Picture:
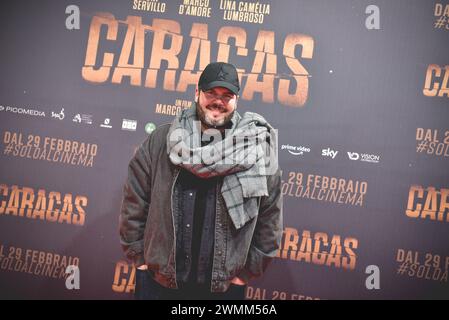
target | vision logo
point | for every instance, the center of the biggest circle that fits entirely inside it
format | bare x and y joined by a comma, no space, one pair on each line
373,158
353,155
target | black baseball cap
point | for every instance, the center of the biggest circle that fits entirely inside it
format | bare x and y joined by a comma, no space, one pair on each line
219,74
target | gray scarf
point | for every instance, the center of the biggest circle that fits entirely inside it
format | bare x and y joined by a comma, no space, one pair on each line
241,157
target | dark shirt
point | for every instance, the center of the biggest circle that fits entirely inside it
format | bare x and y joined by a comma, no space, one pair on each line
196,227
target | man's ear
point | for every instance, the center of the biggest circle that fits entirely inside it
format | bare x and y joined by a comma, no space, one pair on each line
197,94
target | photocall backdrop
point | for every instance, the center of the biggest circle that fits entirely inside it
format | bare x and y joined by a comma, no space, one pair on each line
357,89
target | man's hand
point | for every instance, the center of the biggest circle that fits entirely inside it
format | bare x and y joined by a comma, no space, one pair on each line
238,281
143,267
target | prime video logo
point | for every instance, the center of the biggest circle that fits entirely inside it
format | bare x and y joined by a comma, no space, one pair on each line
295,150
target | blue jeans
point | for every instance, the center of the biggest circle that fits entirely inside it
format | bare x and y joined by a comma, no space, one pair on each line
148,289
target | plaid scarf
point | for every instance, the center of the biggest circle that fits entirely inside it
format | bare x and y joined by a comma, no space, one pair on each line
237,157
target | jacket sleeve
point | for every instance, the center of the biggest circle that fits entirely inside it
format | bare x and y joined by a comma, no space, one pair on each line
135,204
268,231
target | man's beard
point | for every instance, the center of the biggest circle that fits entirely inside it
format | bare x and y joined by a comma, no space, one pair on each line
210,122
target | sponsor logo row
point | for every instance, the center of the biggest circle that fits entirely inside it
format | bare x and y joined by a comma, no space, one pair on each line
78,118
330,153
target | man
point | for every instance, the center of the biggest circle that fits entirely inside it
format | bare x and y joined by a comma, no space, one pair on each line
202,207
